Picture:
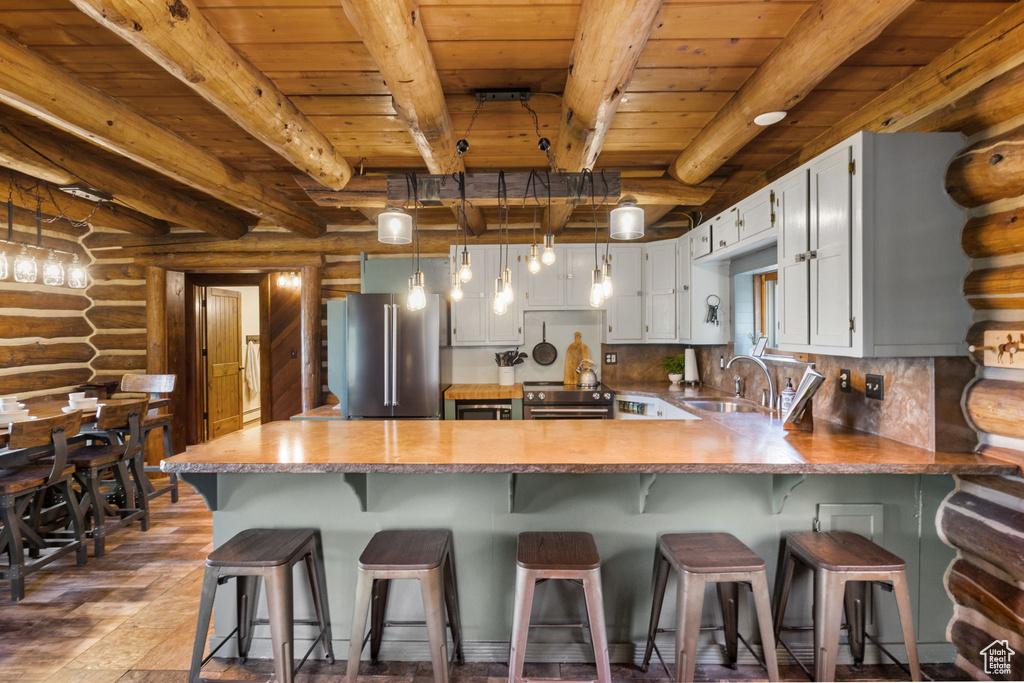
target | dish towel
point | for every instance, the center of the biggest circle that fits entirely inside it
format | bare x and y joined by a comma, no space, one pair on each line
252,365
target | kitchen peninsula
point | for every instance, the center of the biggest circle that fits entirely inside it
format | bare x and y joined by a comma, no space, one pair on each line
625,482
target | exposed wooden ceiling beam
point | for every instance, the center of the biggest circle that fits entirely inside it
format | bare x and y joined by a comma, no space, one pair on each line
393,33
610,34
23,191
181,40
37,87
987,53
822,39
72,162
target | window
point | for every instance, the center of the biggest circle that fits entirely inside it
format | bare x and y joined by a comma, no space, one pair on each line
766,300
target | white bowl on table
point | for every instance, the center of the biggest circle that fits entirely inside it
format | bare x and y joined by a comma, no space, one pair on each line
83,403
8,416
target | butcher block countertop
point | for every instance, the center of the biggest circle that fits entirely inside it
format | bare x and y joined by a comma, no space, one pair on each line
463,392
740,443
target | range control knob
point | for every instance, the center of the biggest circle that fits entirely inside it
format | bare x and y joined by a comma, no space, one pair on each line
542,396
530,396
596,395
607,395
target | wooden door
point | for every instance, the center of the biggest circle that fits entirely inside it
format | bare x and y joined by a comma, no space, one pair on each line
830,259
223,361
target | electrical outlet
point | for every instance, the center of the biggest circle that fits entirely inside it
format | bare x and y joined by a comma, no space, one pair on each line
874,386
845,385
611,358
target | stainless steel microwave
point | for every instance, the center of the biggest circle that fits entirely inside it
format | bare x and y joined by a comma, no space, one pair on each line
483,410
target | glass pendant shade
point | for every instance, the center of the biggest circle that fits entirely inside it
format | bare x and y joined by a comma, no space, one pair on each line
457,292
417,295
548,257
500,306
506,287
465,271
596,289
533,263
394,226
296,280
3,266
53,271
78,277
606,280
25,268
626,221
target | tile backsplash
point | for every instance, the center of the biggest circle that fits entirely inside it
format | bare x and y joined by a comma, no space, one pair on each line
922,395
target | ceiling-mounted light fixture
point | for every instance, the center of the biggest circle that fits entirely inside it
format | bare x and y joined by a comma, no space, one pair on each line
626,221
86,192
394,226
417,299
78,277
770,117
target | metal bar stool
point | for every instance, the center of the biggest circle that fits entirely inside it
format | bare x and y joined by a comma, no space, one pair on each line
423,554
700,559
44,449
155,386
845,565
562,555
267,554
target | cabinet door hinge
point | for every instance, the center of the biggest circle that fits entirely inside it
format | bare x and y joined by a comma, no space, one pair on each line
647,257
204,353
527,295
771,196
853,324
204,303
206,416
609,328
852,167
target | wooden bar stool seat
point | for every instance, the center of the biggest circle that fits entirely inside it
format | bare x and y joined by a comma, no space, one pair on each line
699,559
111,471
256,555
34,533
422,554
845,565
565,555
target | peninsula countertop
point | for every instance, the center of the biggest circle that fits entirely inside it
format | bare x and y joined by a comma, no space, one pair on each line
738,443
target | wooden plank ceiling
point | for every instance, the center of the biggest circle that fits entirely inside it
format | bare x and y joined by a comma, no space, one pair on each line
699,53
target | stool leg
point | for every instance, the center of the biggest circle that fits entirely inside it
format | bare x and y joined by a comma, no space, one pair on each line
378,610
99,504
661,568
432,588
451,599
247,593
728,600
77,521
279,604
855,602
783,582
762,607
364,589
902,593
318,585
595,616
203,622
16,551
141,499
828,616
689,603
168,452
525,583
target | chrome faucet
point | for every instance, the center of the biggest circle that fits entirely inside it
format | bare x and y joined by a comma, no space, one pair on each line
772,391
737,385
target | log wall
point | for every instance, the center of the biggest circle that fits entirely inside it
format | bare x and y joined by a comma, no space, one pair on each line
984,517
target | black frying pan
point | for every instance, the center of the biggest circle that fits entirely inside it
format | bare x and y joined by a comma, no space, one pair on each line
545,353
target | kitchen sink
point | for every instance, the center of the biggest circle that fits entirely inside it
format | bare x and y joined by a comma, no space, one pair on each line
722,406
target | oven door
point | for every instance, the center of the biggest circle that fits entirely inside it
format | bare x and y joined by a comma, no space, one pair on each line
483,411
567,412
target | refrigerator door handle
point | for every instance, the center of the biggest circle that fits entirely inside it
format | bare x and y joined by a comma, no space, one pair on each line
387,354
394,354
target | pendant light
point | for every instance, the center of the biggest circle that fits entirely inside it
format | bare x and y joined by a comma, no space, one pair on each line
394,226
456,281
596,289
417,299
506,273
606,266
53,271
25,268
3,265
457,293
78,277
596,284
548,257
626,221
533,261
503,283
465,269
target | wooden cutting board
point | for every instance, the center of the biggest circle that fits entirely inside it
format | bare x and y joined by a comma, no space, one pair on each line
576,352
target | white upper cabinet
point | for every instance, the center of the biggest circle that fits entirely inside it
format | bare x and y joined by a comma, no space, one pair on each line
702,284
469,316
725,230
756,213
580,266
545,290
872,267
508,327
792,212
626,305
660,287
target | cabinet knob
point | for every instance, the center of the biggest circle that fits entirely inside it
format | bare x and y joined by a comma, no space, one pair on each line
813,253
686,288
704,238
721,243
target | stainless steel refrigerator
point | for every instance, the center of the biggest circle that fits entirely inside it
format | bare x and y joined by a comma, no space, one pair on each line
394,357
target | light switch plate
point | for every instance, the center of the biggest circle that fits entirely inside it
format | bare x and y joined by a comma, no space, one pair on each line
874,387
611,358
998,349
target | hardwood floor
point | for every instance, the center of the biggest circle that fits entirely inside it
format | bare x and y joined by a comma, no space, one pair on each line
129,617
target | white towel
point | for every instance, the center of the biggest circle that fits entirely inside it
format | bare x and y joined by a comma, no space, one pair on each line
252,367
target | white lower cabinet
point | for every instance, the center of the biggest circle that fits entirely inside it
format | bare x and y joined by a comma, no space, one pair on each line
626,305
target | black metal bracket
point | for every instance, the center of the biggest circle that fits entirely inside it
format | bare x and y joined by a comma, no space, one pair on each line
503,95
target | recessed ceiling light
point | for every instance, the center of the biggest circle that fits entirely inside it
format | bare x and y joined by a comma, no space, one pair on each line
768,118
625,99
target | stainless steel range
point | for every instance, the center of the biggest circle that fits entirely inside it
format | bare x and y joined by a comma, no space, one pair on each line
557,401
